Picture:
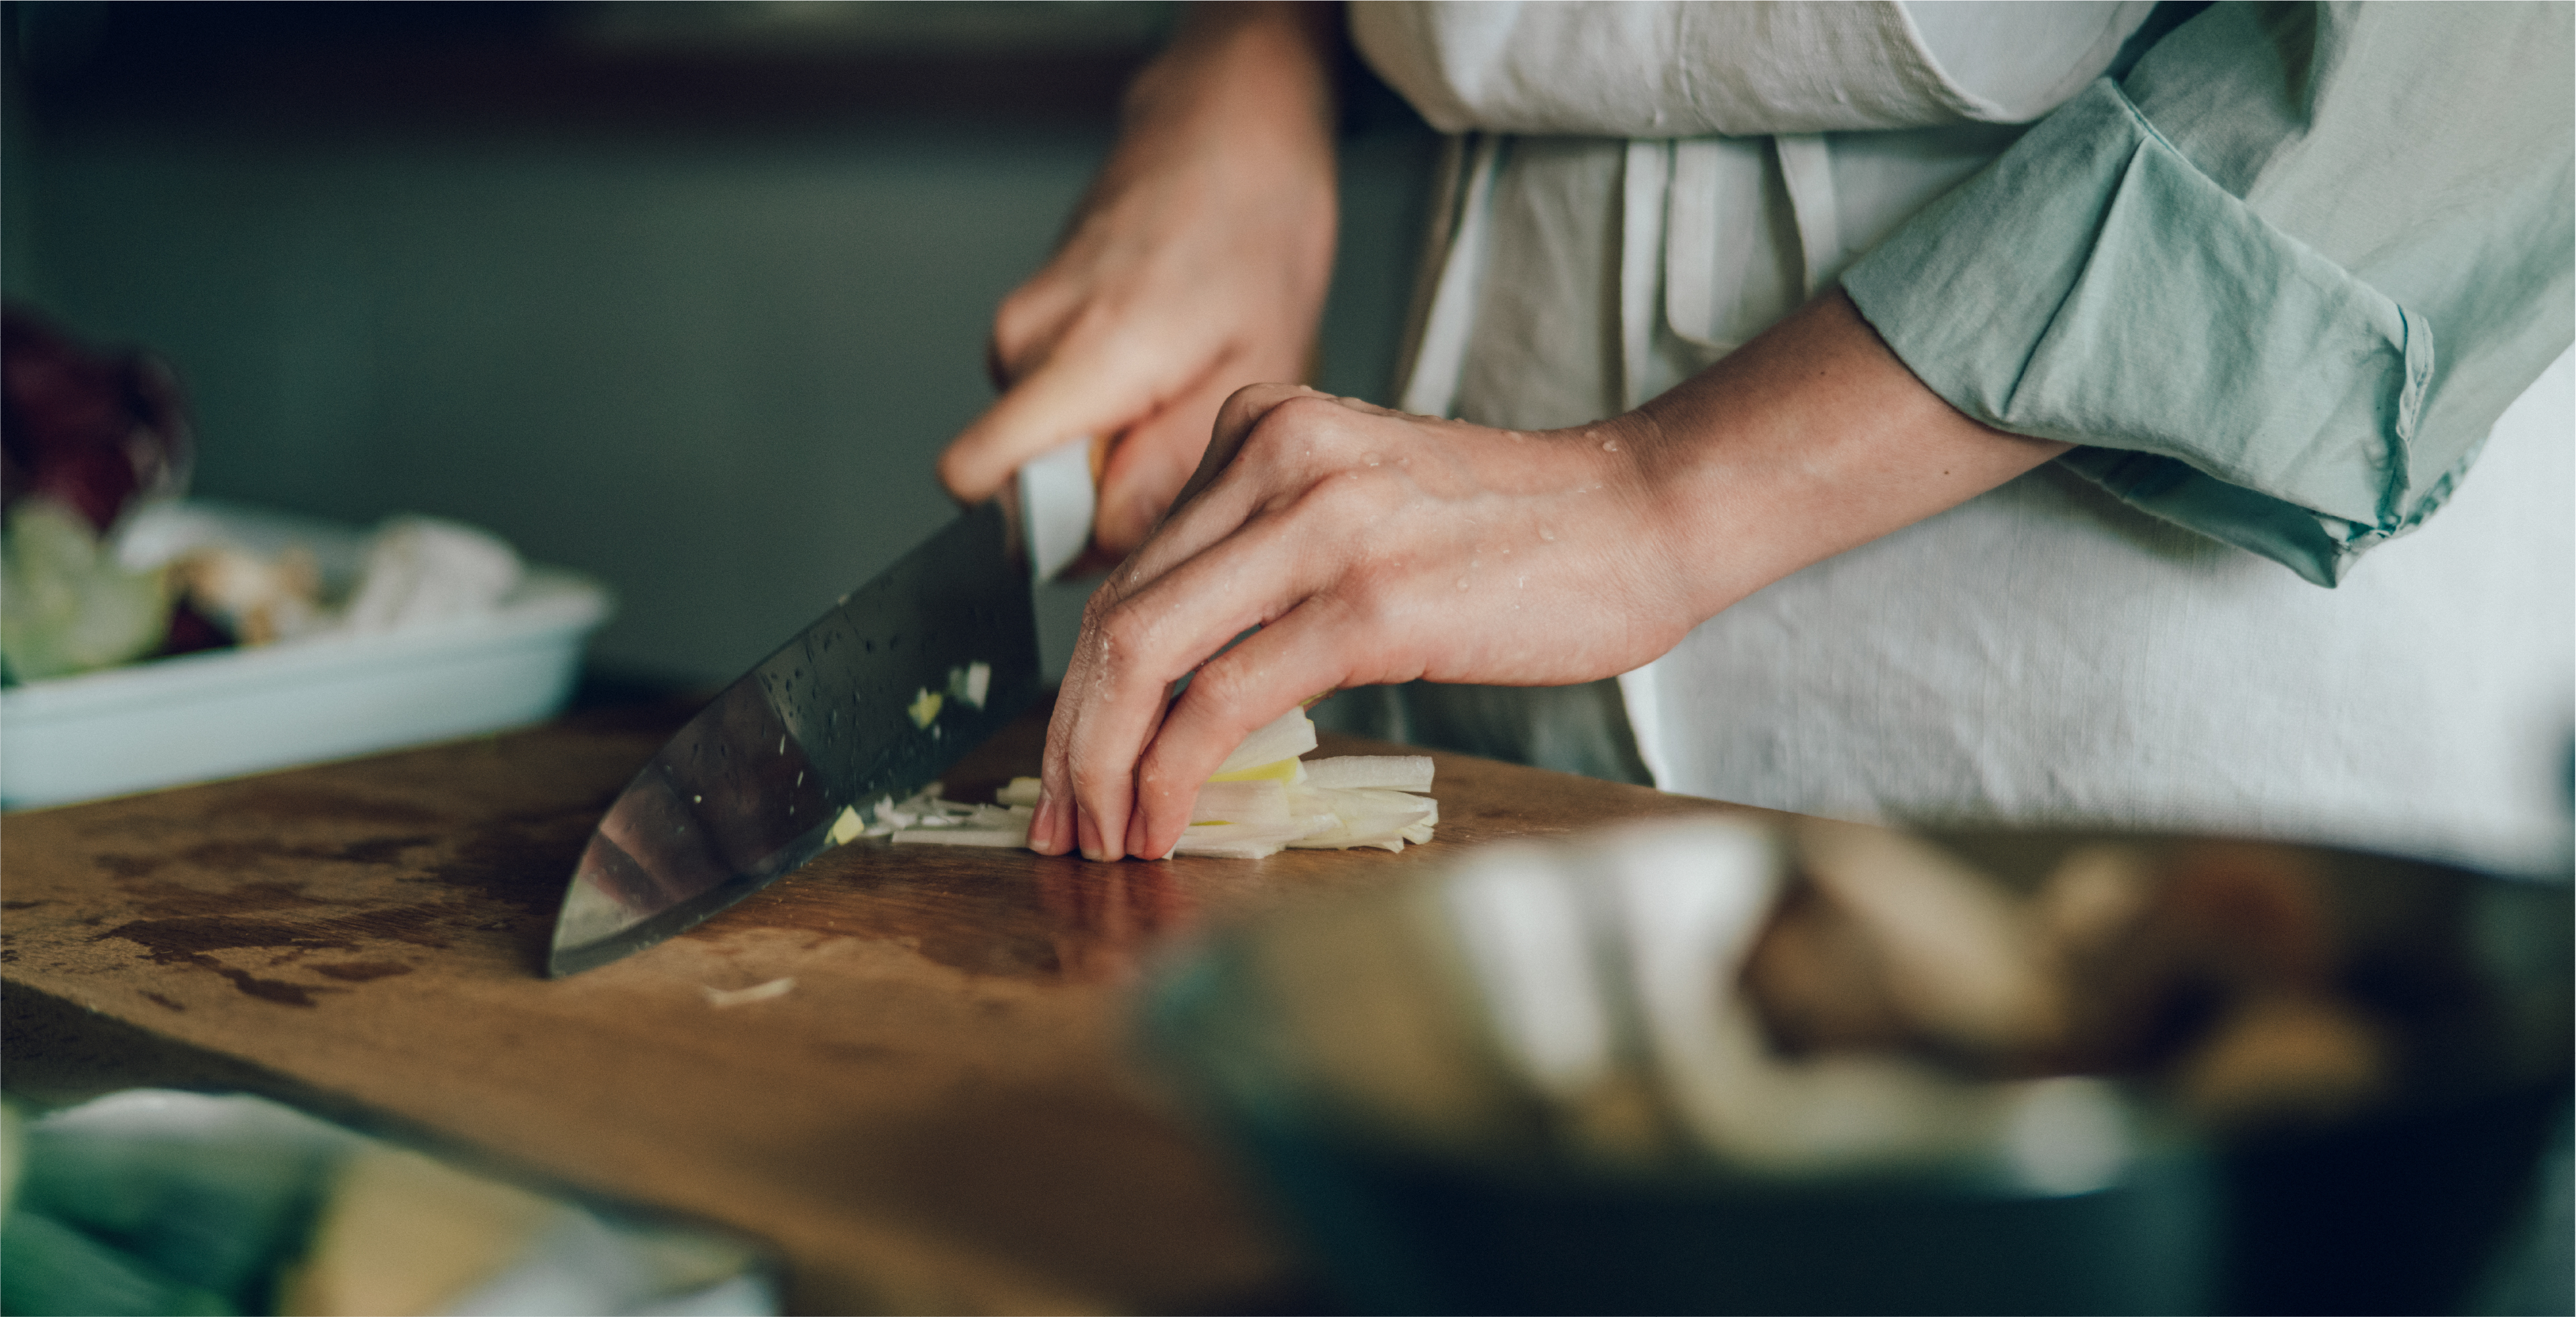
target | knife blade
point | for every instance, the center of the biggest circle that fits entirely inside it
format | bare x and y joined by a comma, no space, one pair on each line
873,700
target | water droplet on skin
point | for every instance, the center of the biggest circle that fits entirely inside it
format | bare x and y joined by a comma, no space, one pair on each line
1548,535
1609,445
1371,459
1462,583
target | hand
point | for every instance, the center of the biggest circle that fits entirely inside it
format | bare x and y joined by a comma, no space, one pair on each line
1197,264
1375,547
1370,547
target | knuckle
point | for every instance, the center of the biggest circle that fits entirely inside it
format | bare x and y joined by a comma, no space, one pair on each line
1124,633
1105,598
1226,685
1366,600
1021,320
1156,778
1298,418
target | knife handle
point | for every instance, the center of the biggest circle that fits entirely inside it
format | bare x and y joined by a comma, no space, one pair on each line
1057,495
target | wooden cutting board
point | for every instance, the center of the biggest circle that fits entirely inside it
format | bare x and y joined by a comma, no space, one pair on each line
943,1115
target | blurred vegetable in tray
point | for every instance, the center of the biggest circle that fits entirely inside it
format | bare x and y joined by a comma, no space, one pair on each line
91,433
101,563
84,438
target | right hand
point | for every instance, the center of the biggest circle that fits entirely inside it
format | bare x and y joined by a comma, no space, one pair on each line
1195,265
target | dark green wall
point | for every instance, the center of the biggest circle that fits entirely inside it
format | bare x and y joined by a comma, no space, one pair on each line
705,355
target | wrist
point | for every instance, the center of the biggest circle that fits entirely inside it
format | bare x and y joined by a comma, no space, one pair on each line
1262,67
1812,439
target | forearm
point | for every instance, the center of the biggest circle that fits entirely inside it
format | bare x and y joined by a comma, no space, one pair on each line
1809,440
1258,75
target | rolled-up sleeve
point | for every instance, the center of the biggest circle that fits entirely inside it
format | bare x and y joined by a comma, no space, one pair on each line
2278,282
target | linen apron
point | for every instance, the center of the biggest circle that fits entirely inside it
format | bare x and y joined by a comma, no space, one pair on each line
2040,655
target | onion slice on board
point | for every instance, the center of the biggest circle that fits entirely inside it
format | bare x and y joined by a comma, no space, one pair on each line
1263,799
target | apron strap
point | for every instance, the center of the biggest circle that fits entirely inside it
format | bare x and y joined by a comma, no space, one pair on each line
1690,245
1807,167
1648,179
1431,387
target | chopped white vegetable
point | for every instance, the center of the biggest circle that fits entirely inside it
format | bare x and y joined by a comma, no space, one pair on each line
970,683
846,828
1286,737
1263,802
1010,838
924,707
1396,772
925,818
721,997
1263,799
1384,830
1246,841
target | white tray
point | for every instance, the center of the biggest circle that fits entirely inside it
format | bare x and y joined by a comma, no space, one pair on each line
222,713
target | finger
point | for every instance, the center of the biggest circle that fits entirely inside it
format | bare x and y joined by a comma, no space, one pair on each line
1223,493
1051,830
1079,390
1136,646
1031,321
1243,409
1152,461
1322,643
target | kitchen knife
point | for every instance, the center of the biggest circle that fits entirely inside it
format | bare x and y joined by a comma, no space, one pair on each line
872,701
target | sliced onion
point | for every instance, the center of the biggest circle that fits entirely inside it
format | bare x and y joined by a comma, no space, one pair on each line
846,828
1365,830
1263,802
1263,798
1285,737
1247,840
1396,772
1008,838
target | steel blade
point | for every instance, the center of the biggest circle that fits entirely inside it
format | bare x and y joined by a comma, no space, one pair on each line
750,788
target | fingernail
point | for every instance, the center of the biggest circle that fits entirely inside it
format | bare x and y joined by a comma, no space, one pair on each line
1136,833
1043,824
1089,832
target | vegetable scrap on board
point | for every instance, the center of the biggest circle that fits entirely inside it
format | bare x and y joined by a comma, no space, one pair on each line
1263,799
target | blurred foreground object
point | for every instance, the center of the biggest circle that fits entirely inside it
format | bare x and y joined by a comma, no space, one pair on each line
1828,1068
151,1202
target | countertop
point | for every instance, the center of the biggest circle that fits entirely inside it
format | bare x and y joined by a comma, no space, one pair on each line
945,1113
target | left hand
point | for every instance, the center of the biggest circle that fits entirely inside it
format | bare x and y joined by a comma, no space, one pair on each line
1374,547
1370,547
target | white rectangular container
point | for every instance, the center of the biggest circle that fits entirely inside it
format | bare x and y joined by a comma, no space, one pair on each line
222,713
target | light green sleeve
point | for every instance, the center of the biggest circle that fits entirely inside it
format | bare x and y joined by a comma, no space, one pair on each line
2279,281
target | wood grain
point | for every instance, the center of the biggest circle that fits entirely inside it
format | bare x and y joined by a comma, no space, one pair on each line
943,1114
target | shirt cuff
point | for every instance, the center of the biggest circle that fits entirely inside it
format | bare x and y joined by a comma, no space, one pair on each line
2092,286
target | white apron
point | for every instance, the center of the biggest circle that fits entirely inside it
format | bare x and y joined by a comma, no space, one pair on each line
2040,655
